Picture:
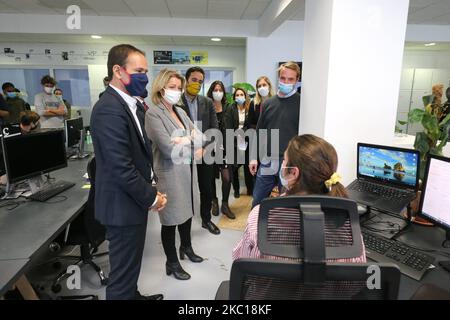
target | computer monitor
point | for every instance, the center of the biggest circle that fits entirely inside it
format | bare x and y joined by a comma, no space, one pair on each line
435,199
75,136
73,131
30,155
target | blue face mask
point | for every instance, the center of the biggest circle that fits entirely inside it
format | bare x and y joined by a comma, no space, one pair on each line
285,88
283,180
240,100
137,84
11,95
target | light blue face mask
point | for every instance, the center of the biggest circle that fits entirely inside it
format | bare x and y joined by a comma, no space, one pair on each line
11,95
240,100
285,88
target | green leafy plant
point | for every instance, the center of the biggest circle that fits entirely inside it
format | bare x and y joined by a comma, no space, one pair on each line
401,123
242,85
434,136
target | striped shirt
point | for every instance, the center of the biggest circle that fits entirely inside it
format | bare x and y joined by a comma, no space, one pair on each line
247,247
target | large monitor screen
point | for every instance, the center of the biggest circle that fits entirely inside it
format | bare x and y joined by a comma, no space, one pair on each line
389,164
435,202
30,155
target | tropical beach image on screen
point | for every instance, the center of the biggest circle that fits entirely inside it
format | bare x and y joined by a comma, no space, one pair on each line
388,165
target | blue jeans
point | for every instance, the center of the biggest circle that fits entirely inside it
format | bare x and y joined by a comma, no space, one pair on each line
266,179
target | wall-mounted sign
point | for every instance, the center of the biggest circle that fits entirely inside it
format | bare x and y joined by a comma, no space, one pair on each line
180,57
162,57
199,57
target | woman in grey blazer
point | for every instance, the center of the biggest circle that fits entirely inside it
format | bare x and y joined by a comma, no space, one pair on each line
173,135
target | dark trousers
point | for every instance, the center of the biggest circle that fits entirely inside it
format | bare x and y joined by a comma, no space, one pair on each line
205,174
266,180
126,247
249,179
168,239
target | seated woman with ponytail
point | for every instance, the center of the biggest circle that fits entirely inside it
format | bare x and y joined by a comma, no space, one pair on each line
309,168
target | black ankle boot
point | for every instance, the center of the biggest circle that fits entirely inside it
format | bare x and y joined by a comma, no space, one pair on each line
190,253
177,270
215,207
227,211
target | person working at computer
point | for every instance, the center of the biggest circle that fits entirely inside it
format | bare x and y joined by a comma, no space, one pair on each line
51,109
309,168
124,192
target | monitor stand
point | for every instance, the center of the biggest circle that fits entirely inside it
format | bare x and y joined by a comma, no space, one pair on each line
34,185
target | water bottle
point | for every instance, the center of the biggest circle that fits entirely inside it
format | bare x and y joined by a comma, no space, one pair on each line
88,138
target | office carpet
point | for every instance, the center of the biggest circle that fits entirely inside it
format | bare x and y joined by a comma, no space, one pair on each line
241,208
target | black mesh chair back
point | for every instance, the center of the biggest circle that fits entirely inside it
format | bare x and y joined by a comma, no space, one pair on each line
281,227
263,279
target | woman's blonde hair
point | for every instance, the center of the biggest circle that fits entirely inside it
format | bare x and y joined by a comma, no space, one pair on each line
257,99
161,81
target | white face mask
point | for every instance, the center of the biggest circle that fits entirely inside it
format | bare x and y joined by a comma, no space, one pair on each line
49,90
263,91
217,95
283,180
172,96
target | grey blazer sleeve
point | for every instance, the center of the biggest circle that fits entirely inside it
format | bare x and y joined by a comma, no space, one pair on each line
158,134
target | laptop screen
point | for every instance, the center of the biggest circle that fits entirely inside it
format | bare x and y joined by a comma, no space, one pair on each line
390,165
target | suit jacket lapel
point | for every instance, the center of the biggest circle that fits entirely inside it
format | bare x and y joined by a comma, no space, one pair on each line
133,121
184,105
171,119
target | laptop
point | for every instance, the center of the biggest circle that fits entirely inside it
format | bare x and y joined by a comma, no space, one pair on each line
387,177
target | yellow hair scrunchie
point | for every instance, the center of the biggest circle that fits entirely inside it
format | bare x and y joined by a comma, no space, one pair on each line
335,178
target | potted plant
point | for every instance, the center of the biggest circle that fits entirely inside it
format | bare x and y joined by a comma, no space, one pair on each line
435,126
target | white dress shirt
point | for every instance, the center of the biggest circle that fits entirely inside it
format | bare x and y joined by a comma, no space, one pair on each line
131,102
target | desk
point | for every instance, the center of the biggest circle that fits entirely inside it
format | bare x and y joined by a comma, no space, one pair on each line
425,238
10,273
27,231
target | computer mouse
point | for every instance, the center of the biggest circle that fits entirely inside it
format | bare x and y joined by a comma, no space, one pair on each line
362,209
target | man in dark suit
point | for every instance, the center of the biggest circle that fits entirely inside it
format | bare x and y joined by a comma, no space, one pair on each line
124,191
201,110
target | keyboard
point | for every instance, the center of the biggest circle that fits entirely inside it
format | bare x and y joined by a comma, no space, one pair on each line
388,193
51,190
411,262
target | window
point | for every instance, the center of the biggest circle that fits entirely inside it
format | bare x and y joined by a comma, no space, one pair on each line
75,86
28,81
73,82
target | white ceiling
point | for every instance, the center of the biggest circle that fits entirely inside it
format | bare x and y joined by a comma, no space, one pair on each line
206,9
421,11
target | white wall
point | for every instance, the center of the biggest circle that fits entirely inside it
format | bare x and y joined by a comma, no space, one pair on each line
263,54
95,57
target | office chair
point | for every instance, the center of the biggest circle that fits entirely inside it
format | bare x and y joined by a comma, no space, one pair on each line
86,232
305,232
